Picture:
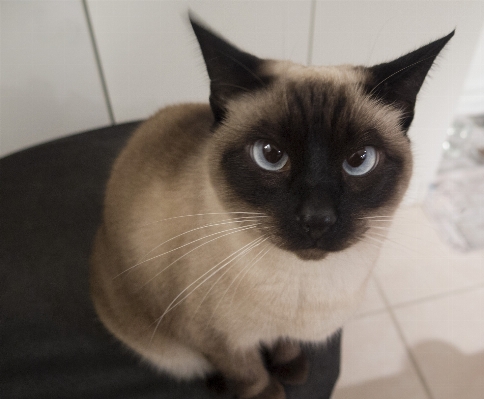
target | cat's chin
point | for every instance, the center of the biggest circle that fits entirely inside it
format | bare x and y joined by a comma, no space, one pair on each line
311,254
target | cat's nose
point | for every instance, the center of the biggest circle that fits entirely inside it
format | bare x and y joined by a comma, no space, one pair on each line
316,221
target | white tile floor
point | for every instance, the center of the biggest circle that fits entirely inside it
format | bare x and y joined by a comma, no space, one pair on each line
420,332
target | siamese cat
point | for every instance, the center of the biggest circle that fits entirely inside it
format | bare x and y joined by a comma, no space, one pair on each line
236,230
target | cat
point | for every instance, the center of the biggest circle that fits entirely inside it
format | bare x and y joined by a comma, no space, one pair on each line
251,224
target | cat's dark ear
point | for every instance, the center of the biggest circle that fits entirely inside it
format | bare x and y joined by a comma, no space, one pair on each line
231,71
398,82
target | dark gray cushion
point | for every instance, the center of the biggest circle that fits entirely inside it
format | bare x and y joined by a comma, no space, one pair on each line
51,343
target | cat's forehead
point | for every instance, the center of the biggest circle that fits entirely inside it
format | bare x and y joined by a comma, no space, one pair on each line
330,100
341,74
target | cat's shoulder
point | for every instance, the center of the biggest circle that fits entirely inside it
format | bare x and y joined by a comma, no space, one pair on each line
168,138
182,119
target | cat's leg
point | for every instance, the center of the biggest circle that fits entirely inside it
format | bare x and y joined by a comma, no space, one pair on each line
245,374
288,363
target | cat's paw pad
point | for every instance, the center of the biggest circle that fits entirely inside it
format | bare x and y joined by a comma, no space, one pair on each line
294,372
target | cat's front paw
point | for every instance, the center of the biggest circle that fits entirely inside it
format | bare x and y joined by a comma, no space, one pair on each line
287,362
294,372
274,390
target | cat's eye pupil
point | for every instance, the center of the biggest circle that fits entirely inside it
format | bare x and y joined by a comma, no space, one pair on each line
268,156
271,153
357,158
362,162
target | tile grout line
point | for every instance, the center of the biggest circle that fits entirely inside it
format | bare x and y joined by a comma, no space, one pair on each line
98,63
312,21
438,296
402,337
415,302
369,314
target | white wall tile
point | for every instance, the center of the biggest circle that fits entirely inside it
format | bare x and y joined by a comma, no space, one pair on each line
49,84
151,58
371,32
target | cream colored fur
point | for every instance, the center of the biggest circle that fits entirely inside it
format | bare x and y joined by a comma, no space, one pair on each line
168,171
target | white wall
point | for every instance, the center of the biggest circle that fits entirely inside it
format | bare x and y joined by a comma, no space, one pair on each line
471,101
50,85
150,56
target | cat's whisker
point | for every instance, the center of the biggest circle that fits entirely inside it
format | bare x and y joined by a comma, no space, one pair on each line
249,265
385,223
378,246
382,222
255,244
221,223
247,271
378,240
230,85
400,245
396,218
403,234
400,70
189,243
376,217
237,230
254,214
217,268
406,220
381,228
377,37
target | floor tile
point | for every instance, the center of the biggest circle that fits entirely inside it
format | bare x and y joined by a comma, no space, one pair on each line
415,263
375,363
373,302
446,337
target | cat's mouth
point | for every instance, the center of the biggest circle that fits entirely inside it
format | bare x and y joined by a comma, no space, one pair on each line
306,247
311,254
336,241
319,252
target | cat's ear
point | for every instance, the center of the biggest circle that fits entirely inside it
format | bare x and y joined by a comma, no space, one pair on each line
398,82
231,71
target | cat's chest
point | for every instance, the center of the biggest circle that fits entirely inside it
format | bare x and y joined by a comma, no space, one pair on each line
307,305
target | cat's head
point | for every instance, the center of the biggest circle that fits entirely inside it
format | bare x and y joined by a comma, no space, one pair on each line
320,150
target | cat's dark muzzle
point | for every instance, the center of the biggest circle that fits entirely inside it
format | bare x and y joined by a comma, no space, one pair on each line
318,242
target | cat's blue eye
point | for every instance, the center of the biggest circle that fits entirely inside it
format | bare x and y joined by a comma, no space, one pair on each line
268,155
361,162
